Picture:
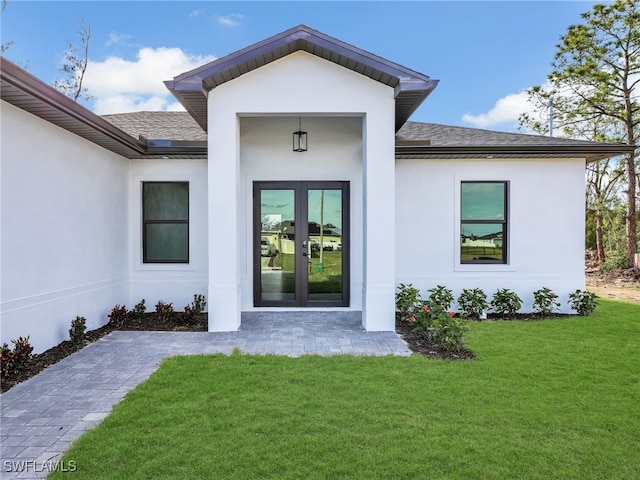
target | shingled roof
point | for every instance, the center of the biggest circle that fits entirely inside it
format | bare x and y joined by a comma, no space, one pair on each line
414,140
430,140
158,125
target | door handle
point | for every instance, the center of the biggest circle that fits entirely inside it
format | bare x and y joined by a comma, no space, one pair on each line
304,254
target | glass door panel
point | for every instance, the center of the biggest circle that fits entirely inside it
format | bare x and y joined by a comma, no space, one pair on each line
301,244
324,223
277,245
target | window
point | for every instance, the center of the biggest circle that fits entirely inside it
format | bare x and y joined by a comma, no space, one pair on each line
483,222
165,222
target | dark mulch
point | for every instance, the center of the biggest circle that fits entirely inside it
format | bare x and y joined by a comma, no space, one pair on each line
149,322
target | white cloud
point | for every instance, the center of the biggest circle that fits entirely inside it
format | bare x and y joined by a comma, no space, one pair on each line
197,13
117,39
119,85
506,110
232,20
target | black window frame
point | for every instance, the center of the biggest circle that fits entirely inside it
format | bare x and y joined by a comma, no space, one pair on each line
145,222
504,222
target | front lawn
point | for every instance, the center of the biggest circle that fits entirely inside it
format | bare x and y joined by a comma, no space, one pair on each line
544,399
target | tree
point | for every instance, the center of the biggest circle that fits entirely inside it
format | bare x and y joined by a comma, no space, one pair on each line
602,180
595,79
4,46
75,66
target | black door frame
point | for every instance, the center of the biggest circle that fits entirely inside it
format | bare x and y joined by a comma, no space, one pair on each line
301,234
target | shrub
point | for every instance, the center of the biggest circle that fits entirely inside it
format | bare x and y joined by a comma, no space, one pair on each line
188,316
14,360
164,311
139,310
545,301
582,302
506,303
473,302
195,308
199,304
448,331
407,301
440,326
442,296
118,316
77,330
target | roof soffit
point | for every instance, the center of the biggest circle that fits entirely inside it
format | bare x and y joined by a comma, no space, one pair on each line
410,87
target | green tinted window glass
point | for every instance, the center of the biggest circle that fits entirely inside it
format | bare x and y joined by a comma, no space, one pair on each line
483,201
167,242
483,218
166,201
165,211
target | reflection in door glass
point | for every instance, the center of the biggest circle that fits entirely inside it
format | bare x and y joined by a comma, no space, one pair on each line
325,244
277,248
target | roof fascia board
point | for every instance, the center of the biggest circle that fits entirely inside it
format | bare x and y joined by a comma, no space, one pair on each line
48,95
301,38
594,151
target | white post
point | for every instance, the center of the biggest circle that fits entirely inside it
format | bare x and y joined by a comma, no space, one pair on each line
379,223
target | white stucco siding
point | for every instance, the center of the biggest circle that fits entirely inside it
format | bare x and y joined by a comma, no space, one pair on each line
174,283
545,226
276,94
64,230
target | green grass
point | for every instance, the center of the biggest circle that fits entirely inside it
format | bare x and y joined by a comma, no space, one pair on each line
544,400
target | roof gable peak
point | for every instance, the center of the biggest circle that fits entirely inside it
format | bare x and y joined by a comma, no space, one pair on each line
411,87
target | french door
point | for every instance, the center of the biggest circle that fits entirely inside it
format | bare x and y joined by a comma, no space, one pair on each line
301,244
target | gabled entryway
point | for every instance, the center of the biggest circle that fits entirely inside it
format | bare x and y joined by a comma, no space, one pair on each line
351,103
301,244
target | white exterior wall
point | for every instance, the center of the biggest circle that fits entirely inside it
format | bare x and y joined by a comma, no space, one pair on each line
545,226
174,283
64,230
299,85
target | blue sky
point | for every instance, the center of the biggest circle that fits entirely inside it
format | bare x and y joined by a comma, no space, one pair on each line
485,54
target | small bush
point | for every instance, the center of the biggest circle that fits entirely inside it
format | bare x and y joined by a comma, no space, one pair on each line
440,326
139,310
188,316
442,296
448,331
194,309
118,316
407,301
582,302
473,302
199,304
14,360
164,311
77,330
506,303
545,302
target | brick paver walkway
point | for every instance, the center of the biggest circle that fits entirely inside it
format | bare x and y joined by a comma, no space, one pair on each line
40,418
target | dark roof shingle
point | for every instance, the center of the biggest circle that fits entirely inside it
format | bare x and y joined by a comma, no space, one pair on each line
158,125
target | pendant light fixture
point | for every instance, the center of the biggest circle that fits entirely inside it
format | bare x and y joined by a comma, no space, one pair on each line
300,139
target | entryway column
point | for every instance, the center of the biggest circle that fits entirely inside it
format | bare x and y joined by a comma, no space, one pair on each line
224,243
379,222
